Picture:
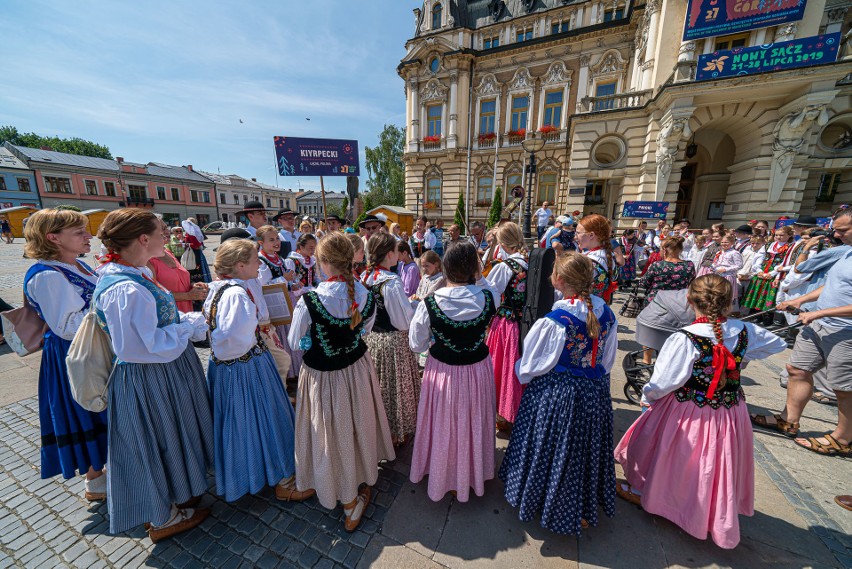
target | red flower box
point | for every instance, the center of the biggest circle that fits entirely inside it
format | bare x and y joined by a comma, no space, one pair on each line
548,128
431,139
520,133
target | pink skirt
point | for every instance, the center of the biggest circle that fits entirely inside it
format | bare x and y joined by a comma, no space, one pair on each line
503,339
454,442
693,465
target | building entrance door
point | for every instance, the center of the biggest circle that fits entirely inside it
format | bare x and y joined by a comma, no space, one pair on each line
684,191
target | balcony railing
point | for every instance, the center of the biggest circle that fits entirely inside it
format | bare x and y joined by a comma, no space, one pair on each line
613,102
429,146
486,140
133,201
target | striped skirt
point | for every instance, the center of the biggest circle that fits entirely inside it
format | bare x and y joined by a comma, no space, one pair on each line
399,378
160,439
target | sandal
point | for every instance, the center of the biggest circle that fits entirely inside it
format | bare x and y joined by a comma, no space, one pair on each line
781,426
625,491
833,448
823,399
844,502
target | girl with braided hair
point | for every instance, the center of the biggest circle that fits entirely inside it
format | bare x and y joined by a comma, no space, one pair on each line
559,460
689,458
396,364
593,238
341,428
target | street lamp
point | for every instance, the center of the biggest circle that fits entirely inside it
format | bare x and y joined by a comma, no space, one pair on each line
532,145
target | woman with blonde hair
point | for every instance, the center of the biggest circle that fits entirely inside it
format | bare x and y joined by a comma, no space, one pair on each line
341,428
508,279
559,461
160,423
59,286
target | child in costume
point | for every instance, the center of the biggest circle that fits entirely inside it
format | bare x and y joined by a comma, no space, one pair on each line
726,264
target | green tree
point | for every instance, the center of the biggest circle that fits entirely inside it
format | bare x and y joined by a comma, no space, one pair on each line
496,208
386,171
458,219
68,207
67,145
343,209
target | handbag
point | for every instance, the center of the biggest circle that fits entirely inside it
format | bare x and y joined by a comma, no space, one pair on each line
24,329
90,362
187,260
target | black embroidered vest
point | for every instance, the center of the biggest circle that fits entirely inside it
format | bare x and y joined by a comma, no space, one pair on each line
276,271
331,344
459,342
383,321
515,295
695,389
259,347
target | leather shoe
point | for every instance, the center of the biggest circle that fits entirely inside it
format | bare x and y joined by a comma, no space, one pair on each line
291,494
844,502
160,534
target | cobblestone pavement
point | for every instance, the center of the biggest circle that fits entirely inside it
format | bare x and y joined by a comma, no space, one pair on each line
46,523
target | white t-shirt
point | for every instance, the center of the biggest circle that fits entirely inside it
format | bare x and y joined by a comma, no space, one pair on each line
543,216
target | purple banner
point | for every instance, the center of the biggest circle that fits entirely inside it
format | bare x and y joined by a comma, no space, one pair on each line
804,52
316,156
708,18
645,209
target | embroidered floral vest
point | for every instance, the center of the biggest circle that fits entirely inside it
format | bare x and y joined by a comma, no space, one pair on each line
330,344
306,276
695,389
277,271
601,280
515,295
459,342
73,278
167,312
576,356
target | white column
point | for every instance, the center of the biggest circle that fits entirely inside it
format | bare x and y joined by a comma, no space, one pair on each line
453,110
687,51
583,82
415,116
651,49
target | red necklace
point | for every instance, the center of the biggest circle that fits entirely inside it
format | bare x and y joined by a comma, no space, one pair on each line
273,258
705,320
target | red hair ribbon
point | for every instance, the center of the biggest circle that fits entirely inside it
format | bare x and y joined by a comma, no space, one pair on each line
111,257
336,279
723,359
595,352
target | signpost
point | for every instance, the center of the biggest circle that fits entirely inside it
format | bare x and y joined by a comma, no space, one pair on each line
316,157
803,52
649,210
709,18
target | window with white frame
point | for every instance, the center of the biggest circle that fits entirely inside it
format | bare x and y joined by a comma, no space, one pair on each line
109,189
176,194
487,112
546,187
57,185
613,13
137,192
553,108
606,89
525,34
491,42
560,27
91,187
512,180
437,13
484,186
433,191
433,120
161,193
520,111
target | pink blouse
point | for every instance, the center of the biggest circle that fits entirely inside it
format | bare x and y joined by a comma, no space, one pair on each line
174,279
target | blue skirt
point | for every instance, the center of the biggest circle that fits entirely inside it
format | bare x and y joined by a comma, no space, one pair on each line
253,425
560,458
72,439
160,439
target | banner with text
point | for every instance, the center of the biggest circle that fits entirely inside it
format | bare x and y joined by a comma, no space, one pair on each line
645,209
708,18
316,156
803,52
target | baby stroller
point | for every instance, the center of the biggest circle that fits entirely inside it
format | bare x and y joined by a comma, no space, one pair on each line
665,315
634,303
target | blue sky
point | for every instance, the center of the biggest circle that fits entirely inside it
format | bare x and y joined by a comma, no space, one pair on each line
169,81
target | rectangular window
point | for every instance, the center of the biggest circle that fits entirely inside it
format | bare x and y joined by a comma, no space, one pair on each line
547,187
433,192
716,210
524,35
245,198
222,199
433,120
828,184
280,204
487,111
512,180
605,90
193,196
268,202
595,191
91,187
520,109
559,27
205,197
3,183
23,184
161,193
109,189
483,191
175,194
236,199
731,42
488,43
55,185
553,109
617,14
137,192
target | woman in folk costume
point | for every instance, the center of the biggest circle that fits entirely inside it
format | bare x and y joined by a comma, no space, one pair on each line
252,416
508,279
763,287
303,262
592,237
160,423
454,443
726,264
422,239
407,269
705,267
341,428
690,457
195,240
631,255
433,276
559,461
359,265
396,364
59,287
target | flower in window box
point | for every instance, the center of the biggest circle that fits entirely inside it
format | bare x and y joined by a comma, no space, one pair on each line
435,138
519,133
431,205
487,137
548,128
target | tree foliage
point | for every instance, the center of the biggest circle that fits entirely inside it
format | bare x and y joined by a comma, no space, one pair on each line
386,171
68,207
459,216
68,145
496,208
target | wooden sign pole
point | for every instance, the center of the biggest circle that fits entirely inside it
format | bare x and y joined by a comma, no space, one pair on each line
324,207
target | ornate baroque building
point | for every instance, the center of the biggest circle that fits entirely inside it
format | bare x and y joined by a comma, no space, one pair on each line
611,88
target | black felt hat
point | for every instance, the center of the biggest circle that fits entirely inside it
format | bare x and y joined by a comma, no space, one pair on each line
334,217
252,206
283,212
806,220
370,218
744,229
236,233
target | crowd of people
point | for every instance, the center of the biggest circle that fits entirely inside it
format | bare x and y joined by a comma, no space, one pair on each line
398,339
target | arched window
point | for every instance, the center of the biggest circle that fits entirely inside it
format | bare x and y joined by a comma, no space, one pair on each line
546,187
437,11
433,193
484,184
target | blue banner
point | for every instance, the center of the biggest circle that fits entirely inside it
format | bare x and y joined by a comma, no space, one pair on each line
824,222
804,52
708,18
779,223
316,156
645,209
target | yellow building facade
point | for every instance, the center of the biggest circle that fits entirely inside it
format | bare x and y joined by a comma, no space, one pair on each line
610,87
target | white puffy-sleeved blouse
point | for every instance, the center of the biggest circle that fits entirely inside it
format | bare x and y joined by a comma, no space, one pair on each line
255,286
236,320
677,356
335,298
396,301
130,311
546,339
501,274
61,304
462,303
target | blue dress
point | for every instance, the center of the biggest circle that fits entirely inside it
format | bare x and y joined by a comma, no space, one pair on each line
72,438
253,420
559,461
160,426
